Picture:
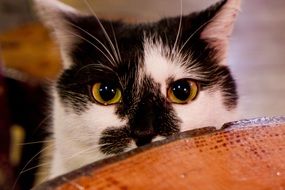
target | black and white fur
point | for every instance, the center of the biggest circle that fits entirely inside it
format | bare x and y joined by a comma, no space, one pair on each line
143,59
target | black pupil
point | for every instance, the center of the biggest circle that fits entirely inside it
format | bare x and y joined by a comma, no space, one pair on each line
181,90
107,91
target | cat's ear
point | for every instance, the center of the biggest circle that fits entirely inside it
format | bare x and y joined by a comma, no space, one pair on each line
218,26
56,16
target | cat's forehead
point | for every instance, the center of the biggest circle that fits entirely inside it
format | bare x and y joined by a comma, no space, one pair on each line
163,64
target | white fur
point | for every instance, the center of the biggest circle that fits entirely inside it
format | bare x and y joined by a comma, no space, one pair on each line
77,136
158,66
207,110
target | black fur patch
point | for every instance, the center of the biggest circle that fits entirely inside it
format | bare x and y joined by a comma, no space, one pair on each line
114,140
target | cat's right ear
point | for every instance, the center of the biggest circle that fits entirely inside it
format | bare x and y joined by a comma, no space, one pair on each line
55,15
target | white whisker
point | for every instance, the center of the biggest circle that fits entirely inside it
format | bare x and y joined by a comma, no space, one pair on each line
98,66
76,94
49,146
179,28
116,43
34,167
86,32
44,120
24,168
79,153
36,142
102,27
92,45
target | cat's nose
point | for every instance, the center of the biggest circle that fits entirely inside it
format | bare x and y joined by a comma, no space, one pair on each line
143,124
143,141
143,137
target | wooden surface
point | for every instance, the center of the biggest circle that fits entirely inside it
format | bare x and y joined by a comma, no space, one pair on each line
249,154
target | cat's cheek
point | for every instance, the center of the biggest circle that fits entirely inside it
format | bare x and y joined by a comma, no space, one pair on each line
207,110
102,117
78,135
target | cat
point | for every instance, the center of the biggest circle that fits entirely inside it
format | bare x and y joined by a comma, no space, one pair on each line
126,85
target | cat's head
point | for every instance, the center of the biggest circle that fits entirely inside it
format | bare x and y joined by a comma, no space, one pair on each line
126,84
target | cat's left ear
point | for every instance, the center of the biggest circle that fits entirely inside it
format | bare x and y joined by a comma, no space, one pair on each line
57,17
219,26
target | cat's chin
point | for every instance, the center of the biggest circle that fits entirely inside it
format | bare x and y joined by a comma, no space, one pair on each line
133,145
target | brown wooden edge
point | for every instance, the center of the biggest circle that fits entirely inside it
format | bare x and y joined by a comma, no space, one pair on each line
236,125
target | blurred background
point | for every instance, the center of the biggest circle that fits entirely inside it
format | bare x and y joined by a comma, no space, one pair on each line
29,62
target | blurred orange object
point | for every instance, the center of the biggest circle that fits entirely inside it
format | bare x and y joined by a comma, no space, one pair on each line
30,49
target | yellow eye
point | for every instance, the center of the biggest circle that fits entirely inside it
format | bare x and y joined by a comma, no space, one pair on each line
182,91
106,93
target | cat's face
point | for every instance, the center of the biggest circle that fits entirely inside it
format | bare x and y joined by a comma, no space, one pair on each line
126,85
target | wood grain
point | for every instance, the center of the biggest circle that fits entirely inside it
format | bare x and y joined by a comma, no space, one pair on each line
249,154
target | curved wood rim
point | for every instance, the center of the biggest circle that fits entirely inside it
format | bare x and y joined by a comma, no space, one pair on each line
232,126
